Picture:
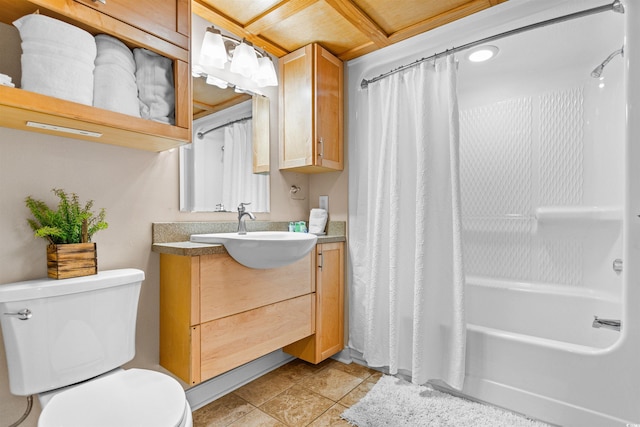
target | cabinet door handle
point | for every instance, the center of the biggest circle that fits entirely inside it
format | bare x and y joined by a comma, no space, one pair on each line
320,260
321,151
100,1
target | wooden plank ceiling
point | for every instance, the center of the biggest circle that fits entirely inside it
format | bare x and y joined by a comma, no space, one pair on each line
347,28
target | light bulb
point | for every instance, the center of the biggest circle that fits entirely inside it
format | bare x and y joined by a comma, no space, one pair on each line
483,53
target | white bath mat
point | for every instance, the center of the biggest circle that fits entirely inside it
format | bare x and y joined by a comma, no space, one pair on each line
394,402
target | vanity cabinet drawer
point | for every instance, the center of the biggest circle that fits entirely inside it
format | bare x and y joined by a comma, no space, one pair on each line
228,288
235,340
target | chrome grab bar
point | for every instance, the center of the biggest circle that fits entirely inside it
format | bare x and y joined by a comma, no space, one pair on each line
613,324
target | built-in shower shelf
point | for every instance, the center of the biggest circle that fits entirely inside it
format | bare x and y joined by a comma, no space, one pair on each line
578,216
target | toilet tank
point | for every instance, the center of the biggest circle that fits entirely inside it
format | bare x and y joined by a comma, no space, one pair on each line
78,328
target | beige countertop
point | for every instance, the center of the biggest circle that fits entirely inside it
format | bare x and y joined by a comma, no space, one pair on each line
163,233
194,249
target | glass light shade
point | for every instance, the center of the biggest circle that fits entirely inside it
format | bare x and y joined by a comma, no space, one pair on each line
244,60
213,52
266,75
212,80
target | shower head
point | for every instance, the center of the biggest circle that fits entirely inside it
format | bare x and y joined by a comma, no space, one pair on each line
597,72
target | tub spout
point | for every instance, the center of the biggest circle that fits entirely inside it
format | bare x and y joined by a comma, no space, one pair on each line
606,323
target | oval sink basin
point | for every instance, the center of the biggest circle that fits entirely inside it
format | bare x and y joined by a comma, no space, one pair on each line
262,249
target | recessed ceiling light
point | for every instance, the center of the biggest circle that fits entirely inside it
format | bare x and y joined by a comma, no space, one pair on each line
482,53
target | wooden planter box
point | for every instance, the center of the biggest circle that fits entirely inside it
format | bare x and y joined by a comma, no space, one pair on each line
71,260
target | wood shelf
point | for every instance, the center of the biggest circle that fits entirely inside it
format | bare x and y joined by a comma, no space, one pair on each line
17,107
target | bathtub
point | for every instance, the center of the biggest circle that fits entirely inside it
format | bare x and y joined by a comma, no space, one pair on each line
527,343
550,315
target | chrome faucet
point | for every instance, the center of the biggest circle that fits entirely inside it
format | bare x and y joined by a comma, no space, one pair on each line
242,229
613,324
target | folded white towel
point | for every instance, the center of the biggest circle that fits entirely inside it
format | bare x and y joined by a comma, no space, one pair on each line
154,77
114,86
57,58
317,221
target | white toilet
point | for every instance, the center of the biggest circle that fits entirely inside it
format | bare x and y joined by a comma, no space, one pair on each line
66,340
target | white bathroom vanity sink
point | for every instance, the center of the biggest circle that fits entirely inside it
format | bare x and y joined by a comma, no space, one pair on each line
262,249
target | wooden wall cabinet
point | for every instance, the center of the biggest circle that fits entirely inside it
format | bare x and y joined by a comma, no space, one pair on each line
328,338
311,111
167,19
138,24
216,314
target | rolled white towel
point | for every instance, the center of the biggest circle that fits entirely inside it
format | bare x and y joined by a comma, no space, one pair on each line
40,73
57,58
5,79
114,86
112,51
115,90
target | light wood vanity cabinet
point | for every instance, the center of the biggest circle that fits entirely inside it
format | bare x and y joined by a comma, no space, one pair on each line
216,314
137,24
311,111
328,338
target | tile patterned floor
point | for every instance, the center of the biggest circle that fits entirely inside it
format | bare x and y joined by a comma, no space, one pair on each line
296,394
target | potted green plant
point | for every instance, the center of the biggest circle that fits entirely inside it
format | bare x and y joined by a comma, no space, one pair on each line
68,229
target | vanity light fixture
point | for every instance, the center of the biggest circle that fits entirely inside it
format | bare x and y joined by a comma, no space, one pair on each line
482,53
223,52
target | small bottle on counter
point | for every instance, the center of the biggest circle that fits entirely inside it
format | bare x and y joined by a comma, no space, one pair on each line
292,226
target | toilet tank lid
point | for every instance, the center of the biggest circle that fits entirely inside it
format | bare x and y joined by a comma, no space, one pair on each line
43,288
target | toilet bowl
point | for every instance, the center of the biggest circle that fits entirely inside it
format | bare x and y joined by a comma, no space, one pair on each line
66,341
123,398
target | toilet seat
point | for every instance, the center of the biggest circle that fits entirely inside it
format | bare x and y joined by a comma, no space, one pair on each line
133,397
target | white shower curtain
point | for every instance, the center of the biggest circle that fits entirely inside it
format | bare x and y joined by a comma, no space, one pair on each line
240,184
407,282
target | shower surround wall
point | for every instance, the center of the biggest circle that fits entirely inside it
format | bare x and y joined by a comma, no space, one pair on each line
550,189
522,161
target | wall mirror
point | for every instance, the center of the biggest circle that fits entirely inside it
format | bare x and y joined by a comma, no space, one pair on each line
228,160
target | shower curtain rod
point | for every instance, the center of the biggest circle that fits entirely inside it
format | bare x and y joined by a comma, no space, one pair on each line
616,6
202,134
